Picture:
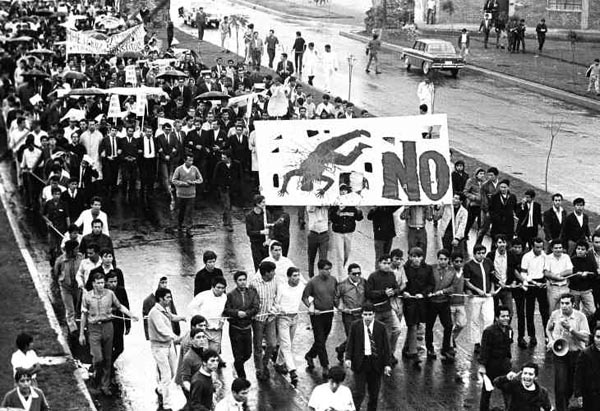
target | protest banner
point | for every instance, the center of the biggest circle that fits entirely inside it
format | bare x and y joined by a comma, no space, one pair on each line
141,102
385,161
80,42
114,107
130,75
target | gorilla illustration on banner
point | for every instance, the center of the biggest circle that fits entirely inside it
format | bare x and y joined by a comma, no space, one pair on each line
385,161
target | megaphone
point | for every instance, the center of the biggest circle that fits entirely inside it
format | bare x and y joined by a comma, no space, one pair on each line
560,347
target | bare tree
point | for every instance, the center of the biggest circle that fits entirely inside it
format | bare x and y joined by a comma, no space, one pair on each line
238,21
554,130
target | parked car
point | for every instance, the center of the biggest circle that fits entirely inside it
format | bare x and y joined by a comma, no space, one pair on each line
432,54
212,19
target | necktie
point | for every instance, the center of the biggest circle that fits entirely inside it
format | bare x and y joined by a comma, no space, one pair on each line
530,216
483,279
372,341
113,147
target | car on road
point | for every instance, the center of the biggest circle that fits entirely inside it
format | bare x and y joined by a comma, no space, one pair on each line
212,19
433,54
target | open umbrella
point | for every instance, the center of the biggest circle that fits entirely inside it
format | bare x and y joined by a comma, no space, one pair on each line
131,54
43,12
172,74
91,91
20,39
136,91
35,73
40,51
213,95
74,75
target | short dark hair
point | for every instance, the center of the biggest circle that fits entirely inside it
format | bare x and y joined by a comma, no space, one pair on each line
266,267
501,308
111,274
554,242
208,354
530,193
323,263
239,274
456,255
258,199
240,384
582,243
443,251
538,240
218,280
567,295
368,306
275,244
96,198
106,251
337,374
396,252
478,247
498,237
23,341
352,266
557,195
97,221
20,373
384,257
505,181
197,319
161,293
579,201
71,246
292,270
531,364
209,255
493,170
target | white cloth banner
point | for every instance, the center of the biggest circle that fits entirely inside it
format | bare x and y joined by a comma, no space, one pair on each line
385,161
80,42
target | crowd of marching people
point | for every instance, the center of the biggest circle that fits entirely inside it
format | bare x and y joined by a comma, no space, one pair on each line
76,152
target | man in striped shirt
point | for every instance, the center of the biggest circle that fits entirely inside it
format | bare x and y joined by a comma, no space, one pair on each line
263,324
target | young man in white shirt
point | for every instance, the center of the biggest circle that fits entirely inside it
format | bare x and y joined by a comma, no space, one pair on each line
87,216
332,395
557,268
211,304
287,301
532,271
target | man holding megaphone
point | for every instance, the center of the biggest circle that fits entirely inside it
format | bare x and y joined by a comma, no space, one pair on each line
568,332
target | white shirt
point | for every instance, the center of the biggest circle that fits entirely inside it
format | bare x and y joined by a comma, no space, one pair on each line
288,298
322,398
47,192
229,404
85,268
558,212
149,148
20,359
533,265
85,220
556,266
318,219
367,339
500,264
281,268
579,219
27,402
209,306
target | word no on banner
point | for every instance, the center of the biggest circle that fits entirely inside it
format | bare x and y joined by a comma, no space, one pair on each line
380,161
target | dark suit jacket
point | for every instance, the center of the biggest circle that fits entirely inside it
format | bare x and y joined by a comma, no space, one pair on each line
523,215
502,215
129,148
512,264
572,231
107,148
75,204
552,227
289,67
355,347
187,95
177,144
240,151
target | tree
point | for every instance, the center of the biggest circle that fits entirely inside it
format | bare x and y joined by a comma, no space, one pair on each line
238,21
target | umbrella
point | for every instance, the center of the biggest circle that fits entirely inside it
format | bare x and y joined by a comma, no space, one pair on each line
20,39
131,54
96,35
213,95
40,51
35,73
44,12
74,75
172,74
91,91
136,91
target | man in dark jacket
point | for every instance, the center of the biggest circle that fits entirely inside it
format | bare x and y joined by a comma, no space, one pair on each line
369,360
529,214
204,277
384,229
587,375
505,271
459,177
343,224
523,390
495,355
256,231
576,226
502,209
241,306
554,218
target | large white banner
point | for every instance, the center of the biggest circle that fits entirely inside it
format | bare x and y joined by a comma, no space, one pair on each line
80,42
385,161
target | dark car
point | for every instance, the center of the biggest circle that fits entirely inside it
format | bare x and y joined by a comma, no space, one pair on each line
432,54
212,19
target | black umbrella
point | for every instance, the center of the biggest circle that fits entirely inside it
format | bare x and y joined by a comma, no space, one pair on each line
172,74
36,73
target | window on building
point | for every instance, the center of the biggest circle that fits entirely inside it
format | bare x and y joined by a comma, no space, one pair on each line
564,5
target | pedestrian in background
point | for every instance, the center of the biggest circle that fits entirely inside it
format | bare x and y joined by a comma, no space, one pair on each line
464,41
373,48
201,22
541,29
311,60
185,178
271,41
430,12
298,48
593,73
225,30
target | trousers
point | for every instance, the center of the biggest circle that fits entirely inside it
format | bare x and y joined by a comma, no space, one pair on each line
166,364
316,242
101,345
321,325
241,346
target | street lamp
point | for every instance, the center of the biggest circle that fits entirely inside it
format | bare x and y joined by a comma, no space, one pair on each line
351,60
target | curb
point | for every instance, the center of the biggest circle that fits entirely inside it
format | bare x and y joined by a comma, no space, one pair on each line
289,15
555,35
37,282
529,85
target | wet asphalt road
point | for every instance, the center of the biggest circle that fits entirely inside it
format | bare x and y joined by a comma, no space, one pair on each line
495,122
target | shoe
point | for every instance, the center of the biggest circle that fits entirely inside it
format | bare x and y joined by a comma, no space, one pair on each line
453,341
294,378
448,355
281,369
431,355
393,361
532,342
325,373
367,70
477,348
522,343
310,363
230,228
340,354
378,72
160,398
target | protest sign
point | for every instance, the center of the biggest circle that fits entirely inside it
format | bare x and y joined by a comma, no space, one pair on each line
385,161
130,75
114,107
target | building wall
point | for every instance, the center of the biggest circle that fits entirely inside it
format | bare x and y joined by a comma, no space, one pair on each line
471,11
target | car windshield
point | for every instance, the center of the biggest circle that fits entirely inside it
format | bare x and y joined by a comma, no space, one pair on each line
441,48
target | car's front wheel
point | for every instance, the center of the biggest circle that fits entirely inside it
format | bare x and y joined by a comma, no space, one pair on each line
407,63
426,67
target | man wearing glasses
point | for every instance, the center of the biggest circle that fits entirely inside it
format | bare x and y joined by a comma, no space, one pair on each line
349,298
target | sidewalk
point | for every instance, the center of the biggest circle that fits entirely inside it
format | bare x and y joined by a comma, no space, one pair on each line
551,69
